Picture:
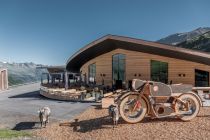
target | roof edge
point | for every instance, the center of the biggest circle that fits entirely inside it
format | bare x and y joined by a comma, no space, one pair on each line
139,41
101,39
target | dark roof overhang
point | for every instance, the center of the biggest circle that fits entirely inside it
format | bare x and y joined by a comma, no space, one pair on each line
112,42
56,69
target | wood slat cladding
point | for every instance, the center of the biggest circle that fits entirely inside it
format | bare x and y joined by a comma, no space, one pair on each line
138,66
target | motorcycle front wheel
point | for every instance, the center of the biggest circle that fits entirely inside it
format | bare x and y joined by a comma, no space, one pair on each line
133,109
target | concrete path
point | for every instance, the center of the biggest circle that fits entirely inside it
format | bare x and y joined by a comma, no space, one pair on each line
19,106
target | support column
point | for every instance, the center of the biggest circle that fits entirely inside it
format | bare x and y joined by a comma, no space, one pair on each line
42,79
52,79
48,78
66,80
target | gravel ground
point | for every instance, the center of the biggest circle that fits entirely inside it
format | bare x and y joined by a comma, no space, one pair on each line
94,124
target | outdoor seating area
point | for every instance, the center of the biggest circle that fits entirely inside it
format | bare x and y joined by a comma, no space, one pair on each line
59,84
73,94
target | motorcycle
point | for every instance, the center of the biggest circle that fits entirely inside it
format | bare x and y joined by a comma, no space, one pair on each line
158,100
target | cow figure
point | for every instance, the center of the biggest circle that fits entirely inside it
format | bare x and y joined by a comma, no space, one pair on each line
44,114
114,114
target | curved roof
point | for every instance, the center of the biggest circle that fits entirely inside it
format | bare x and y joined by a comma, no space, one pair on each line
112,42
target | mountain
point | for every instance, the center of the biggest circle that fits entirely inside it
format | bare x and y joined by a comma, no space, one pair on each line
201,43
21,73
178,38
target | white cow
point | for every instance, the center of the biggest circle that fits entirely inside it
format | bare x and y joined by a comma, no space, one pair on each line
44,114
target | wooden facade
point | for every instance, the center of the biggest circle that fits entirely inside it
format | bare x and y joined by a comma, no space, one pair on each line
183,65
3,79
138,66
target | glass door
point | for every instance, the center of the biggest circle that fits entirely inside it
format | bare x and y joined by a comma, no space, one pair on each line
118,70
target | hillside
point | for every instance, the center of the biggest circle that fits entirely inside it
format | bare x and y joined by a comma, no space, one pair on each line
201,43
21,73
178,38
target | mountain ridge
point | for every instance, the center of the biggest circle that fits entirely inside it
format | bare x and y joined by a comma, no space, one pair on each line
198,39
177,38
22,73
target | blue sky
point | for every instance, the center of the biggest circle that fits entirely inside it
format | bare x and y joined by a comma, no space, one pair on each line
50,31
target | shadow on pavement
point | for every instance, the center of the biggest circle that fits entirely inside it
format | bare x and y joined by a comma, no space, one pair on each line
37,95
97,106
34,94
25,126
89,125
106,123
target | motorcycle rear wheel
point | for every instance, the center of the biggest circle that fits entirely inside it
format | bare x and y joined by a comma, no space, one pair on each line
132,109
194,107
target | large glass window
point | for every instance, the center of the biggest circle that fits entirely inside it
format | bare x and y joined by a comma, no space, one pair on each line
118,68
201,78
159,71
92,72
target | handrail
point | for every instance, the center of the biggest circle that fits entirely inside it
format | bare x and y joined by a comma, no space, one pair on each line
201,88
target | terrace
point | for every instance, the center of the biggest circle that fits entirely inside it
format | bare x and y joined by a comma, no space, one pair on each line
62,85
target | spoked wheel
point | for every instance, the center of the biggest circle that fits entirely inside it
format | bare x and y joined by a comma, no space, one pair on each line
193,106
132,109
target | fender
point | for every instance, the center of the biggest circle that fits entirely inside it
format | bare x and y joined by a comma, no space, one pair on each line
120,98
197,96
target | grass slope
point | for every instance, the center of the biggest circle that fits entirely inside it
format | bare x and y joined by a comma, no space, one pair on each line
8,134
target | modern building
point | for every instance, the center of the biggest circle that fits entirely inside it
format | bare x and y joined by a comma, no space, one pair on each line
116,60
3,79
